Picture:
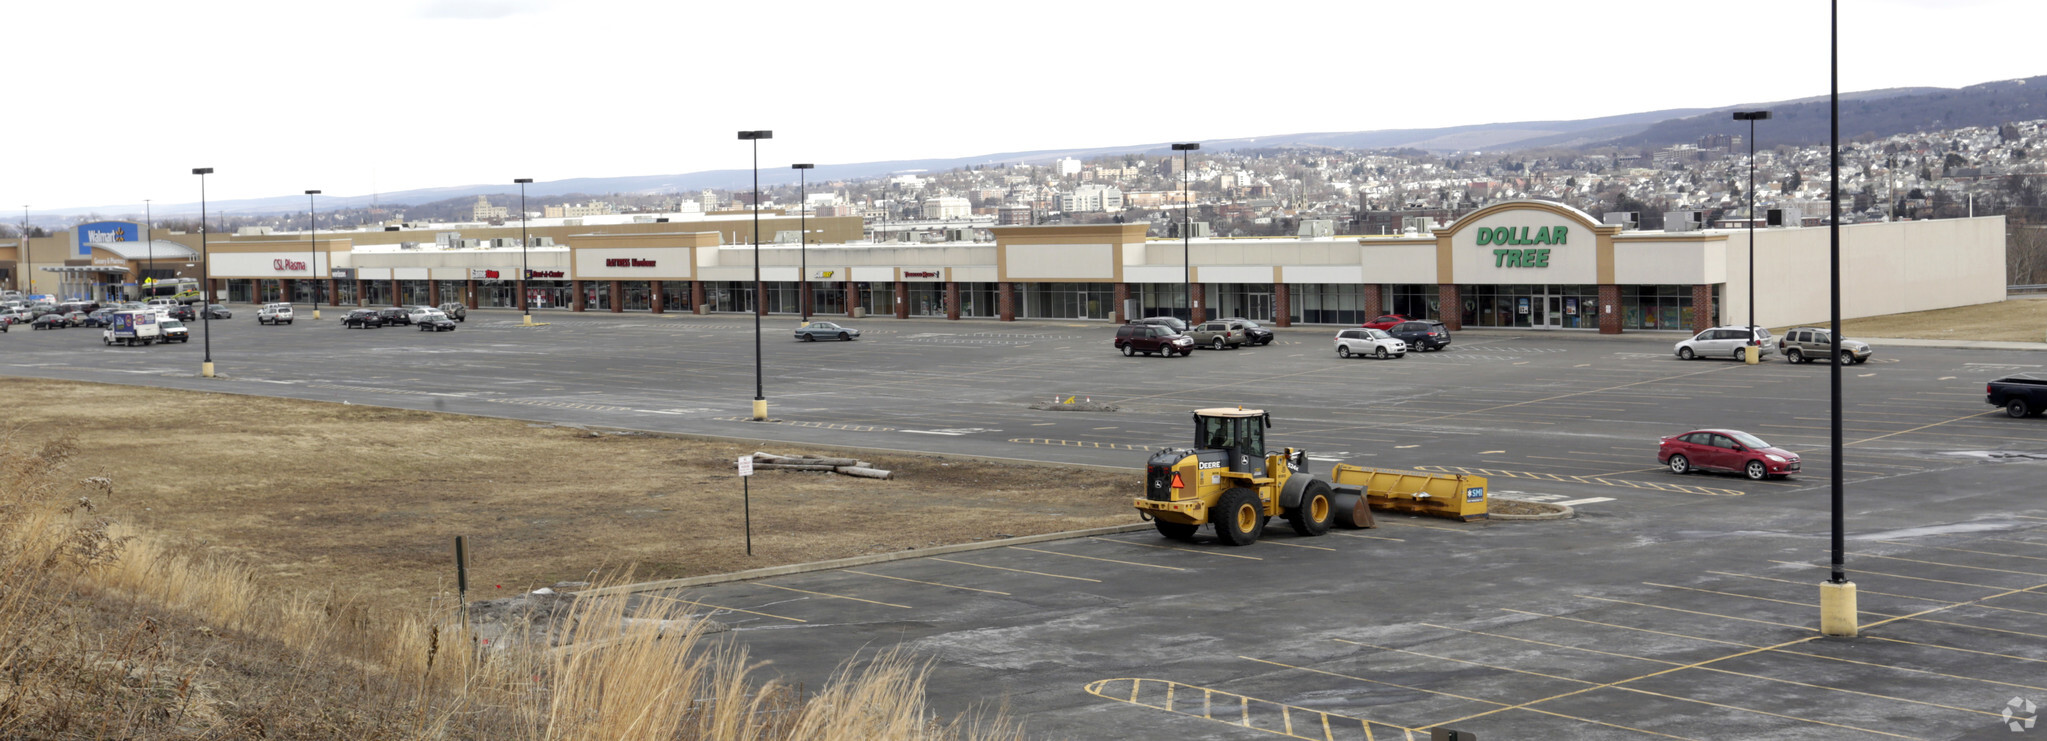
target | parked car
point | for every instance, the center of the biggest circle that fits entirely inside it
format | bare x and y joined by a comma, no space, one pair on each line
1724,342
50,321
1422,334
1139,337
396,315
456,310
18,316
810,332
131,328
363,319
2020,397
1374,342
1260,335
1220,334
99,318
1726,450
1803,344
274,314
173,331
74,318
1178,325
417,314
434,323
216,311
1385,321
182,312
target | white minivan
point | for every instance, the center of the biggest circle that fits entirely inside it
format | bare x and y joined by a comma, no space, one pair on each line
1724,342
274,314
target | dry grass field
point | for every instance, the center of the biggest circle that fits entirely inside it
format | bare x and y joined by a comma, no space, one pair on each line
2018,319
342,499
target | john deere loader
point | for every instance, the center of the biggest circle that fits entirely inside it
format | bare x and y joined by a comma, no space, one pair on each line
1228,480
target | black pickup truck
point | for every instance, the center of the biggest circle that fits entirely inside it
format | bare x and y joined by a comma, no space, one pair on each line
2020,397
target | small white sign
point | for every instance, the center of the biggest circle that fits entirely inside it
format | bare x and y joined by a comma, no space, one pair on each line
746,465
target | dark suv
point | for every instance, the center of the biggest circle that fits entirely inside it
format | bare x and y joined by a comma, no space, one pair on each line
1178,325
1422,334
1138,337
363,319
396,315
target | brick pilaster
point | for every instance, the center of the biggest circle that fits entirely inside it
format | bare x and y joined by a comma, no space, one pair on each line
659,302
1122,295
902,300
1199,311
696,295
433,293
1375,304
1005,301
397,298
1702,308
1282,304
617,296
1609,309
952,299
1452,305
575,295
852,294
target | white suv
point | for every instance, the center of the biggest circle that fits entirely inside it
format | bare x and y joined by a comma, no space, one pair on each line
1724,342
1374,342
274,314
420,314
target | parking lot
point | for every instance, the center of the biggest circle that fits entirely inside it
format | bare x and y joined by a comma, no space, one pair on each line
1673,607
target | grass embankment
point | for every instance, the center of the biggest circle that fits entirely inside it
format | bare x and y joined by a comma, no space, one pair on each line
106,632
2017,319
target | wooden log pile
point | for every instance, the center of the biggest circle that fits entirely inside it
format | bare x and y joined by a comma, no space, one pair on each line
842,466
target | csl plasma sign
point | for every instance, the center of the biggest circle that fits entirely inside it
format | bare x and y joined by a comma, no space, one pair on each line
1522,258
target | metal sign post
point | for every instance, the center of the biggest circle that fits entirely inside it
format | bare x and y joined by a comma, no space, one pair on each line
746,497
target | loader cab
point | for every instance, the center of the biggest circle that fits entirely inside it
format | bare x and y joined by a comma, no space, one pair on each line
1240,432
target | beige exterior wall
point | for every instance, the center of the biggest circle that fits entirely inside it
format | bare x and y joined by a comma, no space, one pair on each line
1885,269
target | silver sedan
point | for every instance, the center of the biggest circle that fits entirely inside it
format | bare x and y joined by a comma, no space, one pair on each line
814,330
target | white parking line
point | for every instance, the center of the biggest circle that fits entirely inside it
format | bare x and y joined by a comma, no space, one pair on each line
1591,500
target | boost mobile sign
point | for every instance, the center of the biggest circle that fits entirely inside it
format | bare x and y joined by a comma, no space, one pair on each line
101,232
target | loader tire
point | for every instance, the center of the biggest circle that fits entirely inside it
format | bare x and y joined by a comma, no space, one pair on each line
1239,519
1315,513
1176,530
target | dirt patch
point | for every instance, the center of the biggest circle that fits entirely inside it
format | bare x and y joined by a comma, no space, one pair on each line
1519,507
355,499
2018,319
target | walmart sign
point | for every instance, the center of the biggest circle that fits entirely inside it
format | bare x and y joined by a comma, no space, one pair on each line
105,231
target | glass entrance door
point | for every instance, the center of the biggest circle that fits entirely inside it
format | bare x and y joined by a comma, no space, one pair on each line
1556,312
1258,307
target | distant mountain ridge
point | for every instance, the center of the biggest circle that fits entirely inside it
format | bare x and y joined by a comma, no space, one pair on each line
1802,121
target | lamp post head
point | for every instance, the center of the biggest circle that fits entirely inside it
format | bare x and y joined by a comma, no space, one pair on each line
804,166
746,135
522,181
312,192
1751,115
1187,147
202,171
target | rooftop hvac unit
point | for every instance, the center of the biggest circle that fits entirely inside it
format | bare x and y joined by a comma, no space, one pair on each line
1782,217
445,239
1623,219
644,219
1684,221
1417,224
572,222
1193,228
1317,229
787,236
408,245
959,235
504,242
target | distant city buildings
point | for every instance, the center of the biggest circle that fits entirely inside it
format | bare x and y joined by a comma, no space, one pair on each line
483,211
578,210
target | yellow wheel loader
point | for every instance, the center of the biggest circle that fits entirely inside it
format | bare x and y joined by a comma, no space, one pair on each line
1228,480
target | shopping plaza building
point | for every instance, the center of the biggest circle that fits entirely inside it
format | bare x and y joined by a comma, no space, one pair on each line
1526,264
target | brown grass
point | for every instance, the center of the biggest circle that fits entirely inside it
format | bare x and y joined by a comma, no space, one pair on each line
340,499
104,635
2018,319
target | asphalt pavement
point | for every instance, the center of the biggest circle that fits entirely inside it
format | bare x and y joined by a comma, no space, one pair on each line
1672,607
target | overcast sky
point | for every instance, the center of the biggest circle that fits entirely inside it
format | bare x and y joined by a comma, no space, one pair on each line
123,98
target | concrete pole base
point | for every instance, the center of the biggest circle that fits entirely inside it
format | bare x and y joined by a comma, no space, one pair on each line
1752,354
528,320
1837,609
760,410
206,370
316,315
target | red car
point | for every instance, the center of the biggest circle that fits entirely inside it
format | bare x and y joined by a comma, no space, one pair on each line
1733,451
1385,322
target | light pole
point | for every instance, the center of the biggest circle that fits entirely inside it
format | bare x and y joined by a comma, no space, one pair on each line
1187,227
525,272
313,251
28,278
760,399
148,242
205,279
1753,354
803,236
1837,596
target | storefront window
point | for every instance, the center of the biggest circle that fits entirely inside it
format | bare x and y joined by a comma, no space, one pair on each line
344,293
241,291
454,292
1328,303
636,295
980,300
675,295
548,294
1066,300
927,299
729,296
877,298
1247,300
596,295
1415,300
827,298
1658,307
1168,299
